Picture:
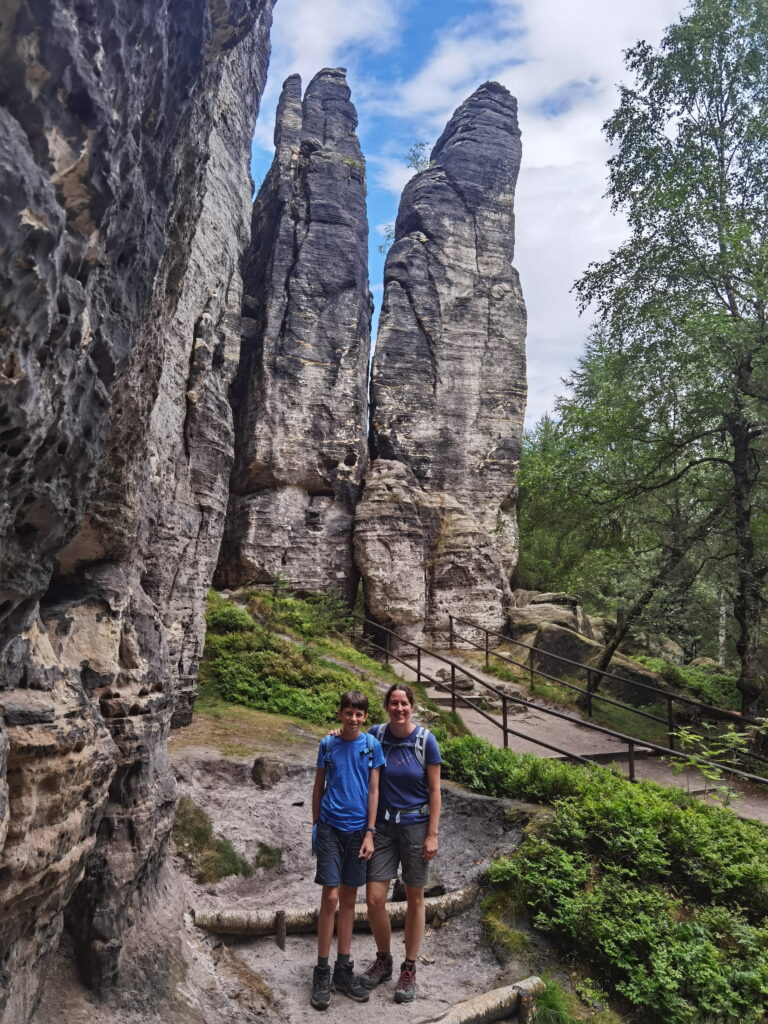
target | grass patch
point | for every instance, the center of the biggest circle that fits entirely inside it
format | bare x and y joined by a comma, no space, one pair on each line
665,897
499,915
268,856
710,684
258,668
211,857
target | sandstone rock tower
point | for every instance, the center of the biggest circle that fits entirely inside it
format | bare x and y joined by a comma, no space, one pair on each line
300,396
435,530
126,208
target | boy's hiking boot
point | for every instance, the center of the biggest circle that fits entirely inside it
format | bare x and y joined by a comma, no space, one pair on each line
321,988
380,970
344,980
406,984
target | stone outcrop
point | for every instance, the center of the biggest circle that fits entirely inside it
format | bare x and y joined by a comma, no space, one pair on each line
448,389
531,609
300,396
125,211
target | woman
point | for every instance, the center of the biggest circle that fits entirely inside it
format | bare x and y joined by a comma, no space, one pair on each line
406,834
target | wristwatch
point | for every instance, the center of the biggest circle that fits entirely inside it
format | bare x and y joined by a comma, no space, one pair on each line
371,829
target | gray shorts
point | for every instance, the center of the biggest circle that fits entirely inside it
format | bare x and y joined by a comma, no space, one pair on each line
395,845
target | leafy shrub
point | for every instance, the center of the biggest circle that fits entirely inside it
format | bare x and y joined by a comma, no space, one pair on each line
223,617
710,684
665,896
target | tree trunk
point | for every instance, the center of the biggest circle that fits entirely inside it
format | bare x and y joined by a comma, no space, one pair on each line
748,600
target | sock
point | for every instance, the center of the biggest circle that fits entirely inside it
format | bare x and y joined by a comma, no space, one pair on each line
383,956
410,965
322,961
342,958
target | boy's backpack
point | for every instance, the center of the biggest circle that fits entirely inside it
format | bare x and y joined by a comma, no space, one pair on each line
419,743
326,749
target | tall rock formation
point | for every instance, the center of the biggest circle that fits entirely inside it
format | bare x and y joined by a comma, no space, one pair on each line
125,141
300,396
449,386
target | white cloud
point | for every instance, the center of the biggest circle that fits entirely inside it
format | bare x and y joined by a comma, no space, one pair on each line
562,60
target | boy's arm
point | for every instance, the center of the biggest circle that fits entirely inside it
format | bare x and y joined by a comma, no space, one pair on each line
366,850
317,794
435,802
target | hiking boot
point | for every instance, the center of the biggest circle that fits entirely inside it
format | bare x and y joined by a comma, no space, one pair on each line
344,980
321,988
406,984
380,970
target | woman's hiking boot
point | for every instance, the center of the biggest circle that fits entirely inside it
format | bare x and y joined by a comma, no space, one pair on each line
321,987
380,970
344,980
406,984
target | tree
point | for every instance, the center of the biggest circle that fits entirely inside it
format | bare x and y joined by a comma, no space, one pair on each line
683,300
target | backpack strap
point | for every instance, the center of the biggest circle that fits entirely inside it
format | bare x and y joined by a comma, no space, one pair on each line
375,733
369,748
419,746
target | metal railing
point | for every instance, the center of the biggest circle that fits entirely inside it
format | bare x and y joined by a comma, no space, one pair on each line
704,710
372,629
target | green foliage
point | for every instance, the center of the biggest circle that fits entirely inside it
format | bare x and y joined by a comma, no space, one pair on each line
262,670
223,617
708,683
418,156
665,896
268,856
499,913
211,856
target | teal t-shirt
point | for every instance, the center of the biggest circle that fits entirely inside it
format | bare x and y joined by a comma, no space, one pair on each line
347,765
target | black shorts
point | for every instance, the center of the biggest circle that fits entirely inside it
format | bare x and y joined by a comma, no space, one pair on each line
338,857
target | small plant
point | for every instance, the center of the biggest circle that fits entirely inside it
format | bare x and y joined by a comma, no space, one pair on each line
268,856
211,857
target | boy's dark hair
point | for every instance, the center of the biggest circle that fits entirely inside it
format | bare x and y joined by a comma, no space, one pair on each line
353,699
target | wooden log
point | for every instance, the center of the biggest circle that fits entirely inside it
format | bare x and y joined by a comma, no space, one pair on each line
235,921
494,1005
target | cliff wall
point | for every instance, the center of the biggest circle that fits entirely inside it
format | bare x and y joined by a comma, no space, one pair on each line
300,396
124,146
449,386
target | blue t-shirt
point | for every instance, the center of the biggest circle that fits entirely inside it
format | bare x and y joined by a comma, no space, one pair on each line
403,782
347,765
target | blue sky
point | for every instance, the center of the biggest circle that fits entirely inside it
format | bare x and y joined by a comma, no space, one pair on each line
410,63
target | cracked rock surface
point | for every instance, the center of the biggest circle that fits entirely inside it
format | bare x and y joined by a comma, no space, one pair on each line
300,395
448,390
124,148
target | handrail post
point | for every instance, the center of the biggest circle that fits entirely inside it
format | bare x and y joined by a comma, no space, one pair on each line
453,688
589,693
418,664
386,648
670,724
486,649
450,632
504,721
530,671
631,761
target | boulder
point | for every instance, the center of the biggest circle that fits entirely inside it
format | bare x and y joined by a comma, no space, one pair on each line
525,618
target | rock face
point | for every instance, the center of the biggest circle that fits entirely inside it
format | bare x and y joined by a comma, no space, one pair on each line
300,396
448,390
531,609
124,214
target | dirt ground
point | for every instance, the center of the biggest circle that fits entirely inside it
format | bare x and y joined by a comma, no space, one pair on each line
187,976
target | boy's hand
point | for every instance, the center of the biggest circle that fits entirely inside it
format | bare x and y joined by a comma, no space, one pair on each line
335,732
366,850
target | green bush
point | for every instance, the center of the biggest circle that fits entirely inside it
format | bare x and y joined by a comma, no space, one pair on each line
261,669
665,896
223,617
707,683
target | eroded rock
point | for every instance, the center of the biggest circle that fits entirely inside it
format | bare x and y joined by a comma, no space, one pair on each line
126,201
300,396
448,389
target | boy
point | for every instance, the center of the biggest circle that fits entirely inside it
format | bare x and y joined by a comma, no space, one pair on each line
344,801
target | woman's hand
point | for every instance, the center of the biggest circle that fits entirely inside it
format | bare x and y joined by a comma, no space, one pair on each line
429,850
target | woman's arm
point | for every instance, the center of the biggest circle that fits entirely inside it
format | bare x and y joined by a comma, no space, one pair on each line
435,803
